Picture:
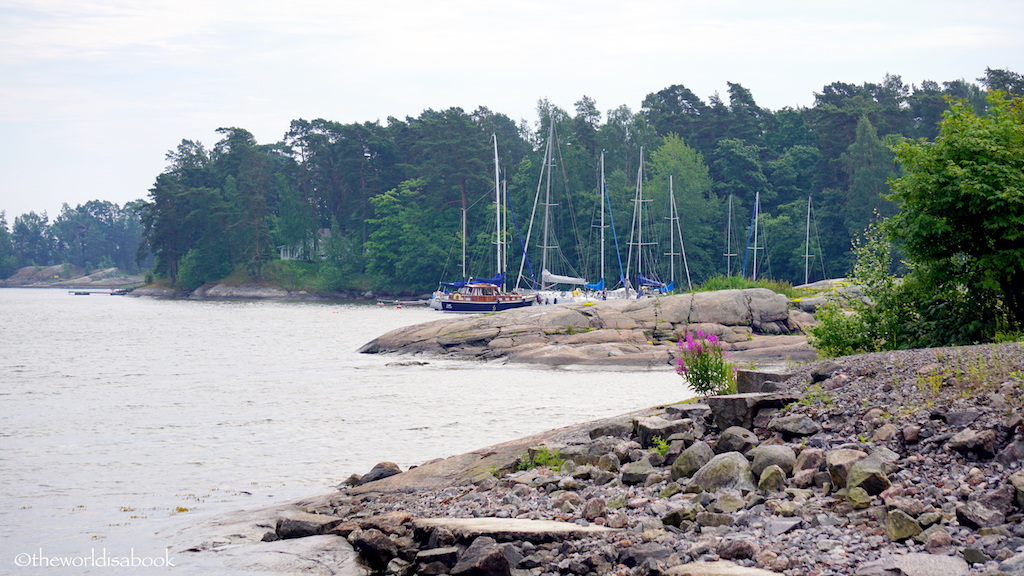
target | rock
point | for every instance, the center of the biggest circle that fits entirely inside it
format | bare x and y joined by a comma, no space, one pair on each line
725,471
691,460
301,525
967,441
736,439
483,558
884,432
772,455
641,553
778,526
1014,566
838,462
1017,481
647,429
794,426
740,409
858,498
637,472
713,519
447,556
868,473
594,508
374,547
772,479
976,515
1012,455
738,548
617,429
917,564
687,512
719,568
898,526
754,380
809,459
379,472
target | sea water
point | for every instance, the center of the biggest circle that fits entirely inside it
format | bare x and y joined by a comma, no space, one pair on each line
120,415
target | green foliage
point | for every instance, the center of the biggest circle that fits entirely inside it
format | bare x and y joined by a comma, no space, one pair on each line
741,283
540,457
661,445
704,365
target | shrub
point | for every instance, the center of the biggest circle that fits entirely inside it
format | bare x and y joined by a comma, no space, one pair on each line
705,365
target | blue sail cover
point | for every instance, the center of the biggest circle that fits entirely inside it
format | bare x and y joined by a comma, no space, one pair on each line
599,286
497,280
454,284
641,281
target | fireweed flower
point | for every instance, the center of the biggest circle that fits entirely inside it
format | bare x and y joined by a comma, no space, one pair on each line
704,364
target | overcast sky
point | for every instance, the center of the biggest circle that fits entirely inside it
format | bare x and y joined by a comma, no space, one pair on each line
93,93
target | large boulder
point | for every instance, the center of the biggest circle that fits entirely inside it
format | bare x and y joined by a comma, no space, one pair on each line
772,455
740,409
691,460
484,557
729,471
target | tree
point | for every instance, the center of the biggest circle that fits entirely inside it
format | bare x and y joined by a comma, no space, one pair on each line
8,257
868,164
961,219
32,239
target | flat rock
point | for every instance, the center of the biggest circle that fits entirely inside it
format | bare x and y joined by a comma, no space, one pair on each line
511,529
720,568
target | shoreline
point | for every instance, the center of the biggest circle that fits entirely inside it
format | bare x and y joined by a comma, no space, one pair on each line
859,465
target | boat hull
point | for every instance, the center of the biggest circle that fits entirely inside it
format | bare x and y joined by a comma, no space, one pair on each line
497,305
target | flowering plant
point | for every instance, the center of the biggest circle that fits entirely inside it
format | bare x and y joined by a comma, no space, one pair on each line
705,365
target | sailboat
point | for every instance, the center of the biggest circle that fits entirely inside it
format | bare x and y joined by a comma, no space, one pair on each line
545,290
675,232
644,262
486,294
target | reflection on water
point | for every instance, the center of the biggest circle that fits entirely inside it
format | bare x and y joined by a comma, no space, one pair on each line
118,414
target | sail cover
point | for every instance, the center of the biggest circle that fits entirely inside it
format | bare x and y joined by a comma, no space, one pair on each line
647,281
497,280
550,278
599,286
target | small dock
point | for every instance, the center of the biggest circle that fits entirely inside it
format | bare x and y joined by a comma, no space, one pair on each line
110,291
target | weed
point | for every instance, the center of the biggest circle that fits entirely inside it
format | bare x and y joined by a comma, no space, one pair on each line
660,445
541,457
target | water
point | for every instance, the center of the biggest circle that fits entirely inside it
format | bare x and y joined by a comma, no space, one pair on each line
119,415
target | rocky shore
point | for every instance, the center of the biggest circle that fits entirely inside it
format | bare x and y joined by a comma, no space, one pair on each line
882,464
756,326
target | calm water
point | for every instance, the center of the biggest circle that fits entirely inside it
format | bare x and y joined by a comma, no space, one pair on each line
119,415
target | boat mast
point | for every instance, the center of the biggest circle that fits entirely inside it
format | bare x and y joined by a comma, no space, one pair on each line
547,205
729,254
675,228
499,229
807,242
603,191
757,215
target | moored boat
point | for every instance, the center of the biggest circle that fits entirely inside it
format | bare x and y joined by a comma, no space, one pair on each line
483,297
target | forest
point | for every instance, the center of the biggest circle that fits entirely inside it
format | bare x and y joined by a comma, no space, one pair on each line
393,206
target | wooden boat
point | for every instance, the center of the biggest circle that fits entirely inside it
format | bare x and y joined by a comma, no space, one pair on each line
483,297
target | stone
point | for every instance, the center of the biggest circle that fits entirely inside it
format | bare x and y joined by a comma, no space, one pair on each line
380,471
302,524
794,426
483,558
838,462
1014,565
884,433
976,515
778,526
772,455
594,508
898,526
736,439
505,529
1012,455
738,548
1017,481
718,568
725,471
647,429
970,441
754,380
740,409
637,472
869,474
713,519
858,498
691,460
642,553
975,556
617,429
809,459
917,564
772,479
686,512
447,556
374,547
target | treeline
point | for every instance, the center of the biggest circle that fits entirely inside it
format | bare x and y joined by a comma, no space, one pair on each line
384,205
93,235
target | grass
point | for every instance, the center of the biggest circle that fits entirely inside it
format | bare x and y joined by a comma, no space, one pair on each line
739,283
540,457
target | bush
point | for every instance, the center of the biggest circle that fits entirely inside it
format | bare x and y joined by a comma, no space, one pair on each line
705,365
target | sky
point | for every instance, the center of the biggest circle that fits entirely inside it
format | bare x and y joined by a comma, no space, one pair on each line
94,93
